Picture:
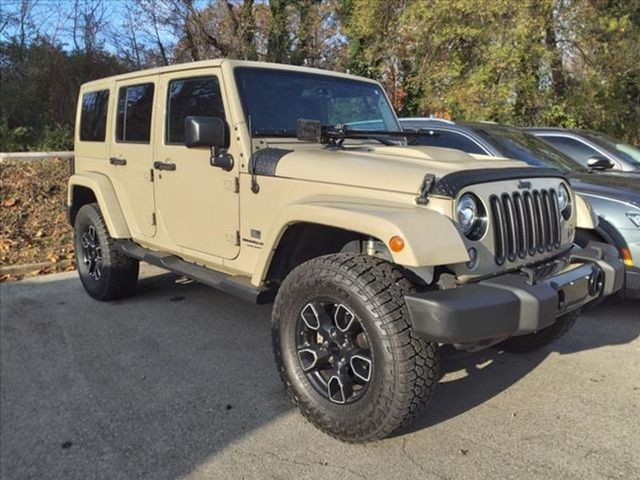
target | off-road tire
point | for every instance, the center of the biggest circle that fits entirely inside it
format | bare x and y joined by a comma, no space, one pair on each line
535,341
405,368
119,273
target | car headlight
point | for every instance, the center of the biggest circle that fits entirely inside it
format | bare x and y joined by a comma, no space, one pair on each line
634,217
472,218
564,202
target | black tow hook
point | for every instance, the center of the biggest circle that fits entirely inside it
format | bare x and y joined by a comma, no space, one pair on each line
596,281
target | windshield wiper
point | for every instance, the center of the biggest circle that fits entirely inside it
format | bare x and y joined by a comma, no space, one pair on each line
335,135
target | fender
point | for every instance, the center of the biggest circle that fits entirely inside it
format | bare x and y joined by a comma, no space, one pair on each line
107,200
585,217
610,234
431,238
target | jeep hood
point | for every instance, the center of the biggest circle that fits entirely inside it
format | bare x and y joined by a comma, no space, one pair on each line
391,168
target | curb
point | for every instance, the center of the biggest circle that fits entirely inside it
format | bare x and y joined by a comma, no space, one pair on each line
33,267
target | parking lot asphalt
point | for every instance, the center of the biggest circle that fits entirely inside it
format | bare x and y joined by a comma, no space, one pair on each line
179,382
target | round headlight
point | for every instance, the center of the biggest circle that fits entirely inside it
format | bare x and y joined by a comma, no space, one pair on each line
564,201
471,216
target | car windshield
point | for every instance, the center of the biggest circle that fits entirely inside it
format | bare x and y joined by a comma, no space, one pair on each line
273,101
627,152
523,146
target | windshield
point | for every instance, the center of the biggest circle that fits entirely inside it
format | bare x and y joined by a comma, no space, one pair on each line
627,152
274,100
523,146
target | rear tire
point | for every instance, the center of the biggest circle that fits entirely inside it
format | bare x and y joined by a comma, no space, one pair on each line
402,369
105,273
538,340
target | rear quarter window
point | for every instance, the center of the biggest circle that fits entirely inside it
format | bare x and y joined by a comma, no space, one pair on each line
93,117
135,105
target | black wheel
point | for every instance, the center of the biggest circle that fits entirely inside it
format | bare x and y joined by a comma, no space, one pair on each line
535,341
105,273
345,350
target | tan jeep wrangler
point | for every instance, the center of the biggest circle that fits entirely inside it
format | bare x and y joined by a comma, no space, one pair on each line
294,185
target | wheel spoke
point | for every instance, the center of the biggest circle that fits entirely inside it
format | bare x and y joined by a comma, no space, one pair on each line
92,236
97,269
360,364
313,357
344,318
339,386
85,240
316,318
310,316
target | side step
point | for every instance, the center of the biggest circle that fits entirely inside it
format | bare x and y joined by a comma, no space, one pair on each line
239,286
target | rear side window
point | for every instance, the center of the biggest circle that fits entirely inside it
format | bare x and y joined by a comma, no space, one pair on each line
445,139
135,104
191,96
93,119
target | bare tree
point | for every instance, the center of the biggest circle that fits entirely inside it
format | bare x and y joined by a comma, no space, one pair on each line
89,20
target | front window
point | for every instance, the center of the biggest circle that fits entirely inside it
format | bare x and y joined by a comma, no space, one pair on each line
523,146
274,100
625,151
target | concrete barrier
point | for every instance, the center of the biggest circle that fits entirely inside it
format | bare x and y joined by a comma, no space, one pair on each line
33,155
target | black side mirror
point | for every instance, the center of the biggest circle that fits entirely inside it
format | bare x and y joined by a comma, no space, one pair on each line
209,132
598,162
205,132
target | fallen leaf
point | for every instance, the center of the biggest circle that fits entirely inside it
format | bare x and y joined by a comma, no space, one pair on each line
39,233
9,202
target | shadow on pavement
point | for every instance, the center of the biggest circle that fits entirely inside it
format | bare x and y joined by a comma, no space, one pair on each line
151,385
477,377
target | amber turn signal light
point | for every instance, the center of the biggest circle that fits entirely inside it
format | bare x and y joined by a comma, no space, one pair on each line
396,243
626,257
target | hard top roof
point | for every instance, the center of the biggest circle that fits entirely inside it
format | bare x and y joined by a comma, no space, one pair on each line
217,63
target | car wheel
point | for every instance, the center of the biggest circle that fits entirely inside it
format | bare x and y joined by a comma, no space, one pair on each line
345,349
105,273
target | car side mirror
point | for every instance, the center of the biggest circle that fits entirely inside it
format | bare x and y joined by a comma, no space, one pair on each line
205,132
598,162
209,132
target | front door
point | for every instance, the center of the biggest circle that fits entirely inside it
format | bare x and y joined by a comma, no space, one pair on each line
131,153
196,202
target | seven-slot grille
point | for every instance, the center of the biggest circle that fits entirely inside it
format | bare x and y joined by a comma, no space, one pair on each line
525,223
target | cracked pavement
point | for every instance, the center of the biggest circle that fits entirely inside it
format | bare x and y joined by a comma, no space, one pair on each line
179,382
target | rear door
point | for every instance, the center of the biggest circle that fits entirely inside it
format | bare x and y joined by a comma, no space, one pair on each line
131,153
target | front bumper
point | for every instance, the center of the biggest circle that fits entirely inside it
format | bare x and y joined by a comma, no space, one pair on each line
632,283
517,303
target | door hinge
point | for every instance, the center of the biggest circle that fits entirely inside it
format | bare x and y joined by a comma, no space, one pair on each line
233,238
232,184
151,177
153,219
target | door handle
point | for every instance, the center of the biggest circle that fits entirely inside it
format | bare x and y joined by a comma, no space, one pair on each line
117,161
164,166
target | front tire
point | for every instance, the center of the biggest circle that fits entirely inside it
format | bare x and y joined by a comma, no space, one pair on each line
345,349
105,273
538,340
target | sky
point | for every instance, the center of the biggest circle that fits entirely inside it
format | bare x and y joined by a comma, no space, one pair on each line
54,18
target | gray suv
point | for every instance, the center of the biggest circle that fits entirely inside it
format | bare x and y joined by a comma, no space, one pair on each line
615,197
